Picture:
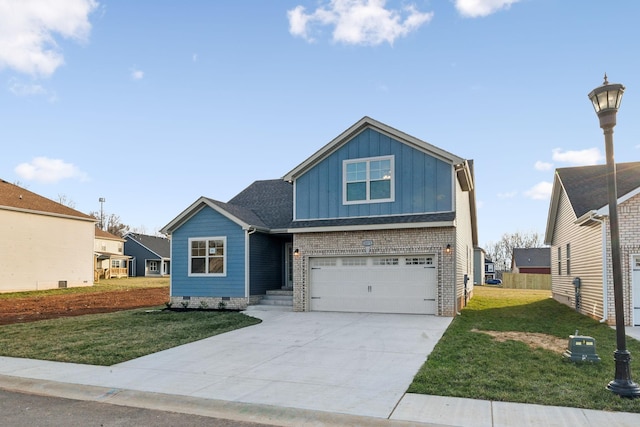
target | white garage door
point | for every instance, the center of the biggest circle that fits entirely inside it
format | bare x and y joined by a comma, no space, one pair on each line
386,284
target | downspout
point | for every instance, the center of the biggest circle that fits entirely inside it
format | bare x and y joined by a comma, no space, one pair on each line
605,305
250,230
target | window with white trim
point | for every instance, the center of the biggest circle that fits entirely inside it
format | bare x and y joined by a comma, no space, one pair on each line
368,180
208,256
153,266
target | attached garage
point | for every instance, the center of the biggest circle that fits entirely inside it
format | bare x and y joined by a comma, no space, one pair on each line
374,284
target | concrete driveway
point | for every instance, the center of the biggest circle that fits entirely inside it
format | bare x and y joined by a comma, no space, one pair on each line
350,363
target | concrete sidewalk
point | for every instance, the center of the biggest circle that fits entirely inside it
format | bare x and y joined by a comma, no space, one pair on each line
295,369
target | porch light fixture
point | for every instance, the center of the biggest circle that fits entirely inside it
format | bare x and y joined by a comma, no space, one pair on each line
296,252
448,249
606,101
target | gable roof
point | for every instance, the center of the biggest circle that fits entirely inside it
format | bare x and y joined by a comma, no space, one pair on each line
101,234
19,199
587,187
532,257
359,126
264,205
587,190
160,246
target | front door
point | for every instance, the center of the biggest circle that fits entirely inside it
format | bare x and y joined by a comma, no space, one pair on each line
635,288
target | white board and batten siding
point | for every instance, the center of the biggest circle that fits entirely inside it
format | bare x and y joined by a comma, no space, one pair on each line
374,284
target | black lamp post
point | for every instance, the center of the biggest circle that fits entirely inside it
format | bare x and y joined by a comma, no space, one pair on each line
606,101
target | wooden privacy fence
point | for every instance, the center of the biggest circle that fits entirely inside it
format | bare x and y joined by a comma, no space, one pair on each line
526,281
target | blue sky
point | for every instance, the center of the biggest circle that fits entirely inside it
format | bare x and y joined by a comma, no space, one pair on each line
152,104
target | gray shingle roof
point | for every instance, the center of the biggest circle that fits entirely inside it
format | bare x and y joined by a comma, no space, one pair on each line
156,244
586,186
532,257
267,203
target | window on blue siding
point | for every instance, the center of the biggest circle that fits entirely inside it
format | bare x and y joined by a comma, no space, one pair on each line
368,180
207,256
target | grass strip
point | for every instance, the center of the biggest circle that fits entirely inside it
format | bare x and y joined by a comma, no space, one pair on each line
107,339
474,365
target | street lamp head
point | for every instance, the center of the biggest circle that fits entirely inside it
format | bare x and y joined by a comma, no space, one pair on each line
606,101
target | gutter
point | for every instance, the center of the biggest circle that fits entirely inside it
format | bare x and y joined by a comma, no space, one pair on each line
250,230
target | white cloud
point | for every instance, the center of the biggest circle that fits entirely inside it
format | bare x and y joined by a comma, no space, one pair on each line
540,191
137,74
543,166
21,89
590,156
358,22
43,169
480,8
508,195
28,27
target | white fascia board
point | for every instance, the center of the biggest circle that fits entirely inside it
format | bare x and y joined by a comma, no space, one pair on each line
371,227
195,208
605,209
380,127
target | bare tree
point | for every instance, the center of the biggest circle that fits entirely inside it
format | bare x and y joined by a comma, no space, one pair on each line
501,252
113,224
64,200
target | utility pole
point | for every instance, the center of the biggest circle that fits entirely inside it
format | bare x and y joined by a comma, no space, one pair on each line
101,200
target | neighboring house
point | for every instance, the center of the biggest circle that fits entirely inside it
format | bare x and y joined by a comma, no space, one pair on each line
478,266
150,255
375,221
110,260
489,269
44,244
531,260
579,236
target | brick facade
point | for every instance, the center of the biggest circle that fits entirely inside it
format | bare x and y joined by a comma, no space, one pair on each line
424,241
629,228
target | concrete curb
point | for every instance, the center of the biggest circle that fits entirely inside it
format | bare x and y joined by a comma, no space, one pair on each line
236,411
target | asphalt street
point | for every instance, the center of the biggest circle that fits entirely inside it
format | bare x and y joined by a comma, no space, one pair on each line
29,410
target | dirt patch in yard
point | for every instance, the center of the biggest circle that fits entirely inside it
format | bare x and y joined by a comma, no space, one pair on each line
31,309
532,339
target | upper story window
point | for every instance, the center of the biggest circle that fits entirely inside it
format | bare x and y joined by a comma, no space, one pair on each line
368,180
208,256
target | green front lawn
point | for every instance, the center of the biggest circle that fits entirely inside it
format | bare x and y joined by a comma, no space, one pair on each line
471,364
107,339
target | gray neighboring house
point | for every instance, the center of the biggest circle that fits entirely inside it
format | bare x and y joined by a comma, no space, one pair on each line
579,236
531,260
150,255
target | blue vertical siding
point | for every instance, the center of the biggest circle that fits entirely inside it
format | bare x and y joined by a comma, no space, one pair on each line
423,183
266,263
208,223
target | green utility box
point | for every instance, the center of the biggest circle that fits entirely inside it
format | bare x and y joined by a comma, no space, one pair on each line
581,349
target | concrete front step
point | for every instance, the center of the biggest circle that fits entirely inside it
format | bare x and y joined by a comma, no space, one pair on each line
275,299
280,292
259,307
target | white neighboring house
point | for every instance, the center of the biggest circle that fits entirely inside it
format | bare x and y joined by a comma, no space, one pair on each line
44,244
110,258
579,236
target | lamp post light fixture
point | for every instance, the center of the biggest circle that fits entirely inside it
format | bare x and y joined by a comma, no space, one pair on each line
606,101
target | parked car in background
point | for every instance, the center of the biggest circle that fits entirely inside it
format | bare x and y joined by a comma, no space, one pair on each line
494,282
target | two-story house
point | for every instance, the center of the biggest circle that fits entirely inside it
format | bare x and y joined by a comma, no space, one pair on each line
110,260
43,244
374,221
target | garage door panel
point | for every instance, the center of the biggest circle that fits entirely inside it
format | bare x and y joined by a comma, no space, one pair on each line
374,284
